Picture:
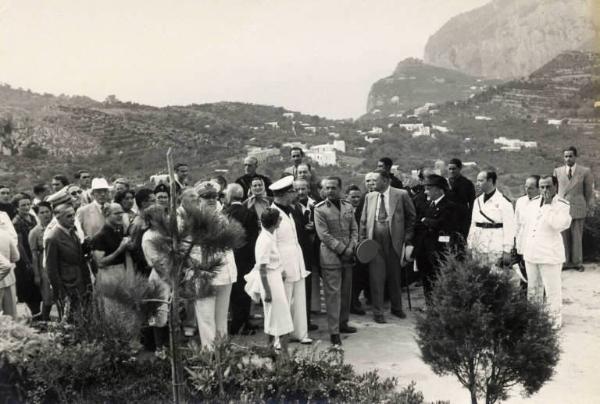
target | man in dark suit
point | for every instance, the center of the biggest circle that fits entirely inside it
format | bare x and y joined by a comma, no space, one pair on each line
244,258
462,193
250,164
388,217
67,269
386,163
436,233
576,185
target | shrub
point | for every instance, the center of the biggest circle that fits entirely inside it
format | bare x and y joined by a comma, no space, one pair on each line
479,328
253,374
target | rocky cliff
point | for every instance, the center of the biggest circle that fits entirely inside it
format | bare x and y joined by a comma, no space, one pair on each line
512,38
415,83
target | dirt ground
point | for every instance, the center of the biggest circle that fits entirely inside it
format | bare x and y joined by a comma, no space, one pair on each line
391,348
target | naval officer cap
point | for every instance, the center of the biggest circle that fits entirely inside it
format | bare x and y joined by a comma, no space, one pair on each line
282,185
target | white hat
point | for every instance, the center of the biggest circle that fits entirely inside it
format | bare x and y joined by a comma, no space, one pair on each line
282,184
99,183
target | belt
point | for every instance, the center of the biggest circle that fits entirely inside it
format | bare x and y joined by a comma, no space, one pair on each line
489,225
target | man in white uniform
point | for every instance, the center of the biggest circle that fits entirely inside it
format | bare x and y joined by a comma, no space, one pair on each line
547,216
492,233
289,248
531,191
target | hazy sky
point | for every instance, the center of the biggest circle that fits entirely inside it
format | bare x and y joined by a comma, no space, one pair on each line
318,57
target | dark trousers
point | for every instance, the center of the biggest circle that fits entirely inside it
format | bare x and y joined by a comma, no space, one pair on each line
308,287
360,282
384,271
239,305
428,272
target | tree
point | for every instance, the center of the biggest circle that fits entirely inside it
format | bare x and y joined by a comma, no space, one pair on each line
480,328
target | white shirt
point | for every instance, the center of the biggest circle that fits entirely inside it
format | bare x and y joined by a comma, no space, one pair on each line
386,201
497,240
543,242
266,251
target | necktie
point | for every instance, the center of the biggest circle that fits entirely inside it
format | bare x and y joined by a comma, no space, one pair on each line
382,212
74,236
570,175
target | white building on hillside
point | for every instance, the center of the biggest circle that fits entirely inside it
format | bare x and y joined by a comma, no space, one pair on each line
272,125
289,115
376,130
483,118
303,146
514,144
411,126
423,131
323,157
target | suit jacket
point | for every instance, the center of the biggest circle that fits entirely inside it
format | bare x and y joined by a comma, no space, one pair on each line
437,223
304,236
401,218
89,219
579,190
395,182
65,263
337,230
462,193
244,256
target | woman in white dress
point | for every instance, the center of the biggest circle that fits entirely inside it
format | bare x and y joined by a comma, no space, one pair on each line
266,281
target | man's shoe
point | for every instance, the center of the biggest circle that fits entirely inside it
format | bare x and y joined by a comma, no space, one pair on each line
313,327
336,340
346,329
306,341
379,319
399,313
358,311
580,268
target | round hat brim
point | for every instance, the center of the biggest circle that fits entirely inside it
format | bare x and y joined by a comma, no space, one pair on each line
366,251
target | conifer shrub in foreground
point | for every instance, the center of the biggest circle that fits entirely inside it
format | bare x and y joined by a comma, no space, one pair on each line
481,329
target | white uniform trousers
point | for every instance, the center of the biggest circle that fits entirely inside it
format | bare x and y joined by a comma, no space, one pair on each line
296,295
545,277
211,315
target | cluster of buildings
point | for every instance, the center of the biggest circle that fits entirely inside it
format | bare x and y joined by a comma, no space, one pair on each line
507,144
323,154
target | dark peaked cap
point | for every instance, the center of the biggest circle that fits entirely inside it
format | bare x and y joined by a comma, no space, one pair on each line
438,181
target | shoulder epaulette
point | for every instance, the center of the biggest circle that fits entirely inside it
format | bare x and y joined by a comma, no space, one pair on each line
320,203
536,197
563,201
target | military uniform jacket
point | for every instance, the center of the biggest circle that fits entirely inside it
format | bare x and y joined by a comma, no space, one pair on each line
337,229
542,243
499,210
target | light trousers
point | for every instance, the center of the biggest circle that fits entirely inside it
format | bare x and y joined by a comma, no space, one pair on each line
8,301
296,295
337,284
545,277
572,240
211,315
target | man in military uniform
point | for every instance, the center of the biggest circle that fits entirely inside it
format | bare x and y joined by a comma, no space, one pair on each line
437,232
547,216
492,232
338,231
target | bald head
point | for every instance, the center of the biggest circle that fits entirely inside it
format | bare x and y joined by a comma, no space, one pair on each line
234,193
250,164
189,199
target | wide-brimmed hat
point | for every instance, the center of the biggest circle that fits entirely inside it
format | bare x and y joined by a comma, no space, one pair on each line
99,183
435,180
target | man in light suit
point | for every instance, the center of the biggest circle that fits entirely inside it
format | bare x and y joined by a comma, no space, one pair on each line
89,219
388,217
338,231
576,185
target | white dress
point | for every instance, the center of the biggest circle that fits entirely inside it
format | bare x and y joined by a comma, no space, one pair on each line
278,318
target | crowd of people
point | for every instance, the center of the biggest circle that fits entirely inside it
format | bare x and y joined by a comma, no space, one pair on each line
305,237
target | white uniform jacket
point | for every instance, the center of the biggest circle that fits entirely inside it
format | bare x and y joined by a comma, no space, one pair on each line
543,243
495,233
520,219
289,248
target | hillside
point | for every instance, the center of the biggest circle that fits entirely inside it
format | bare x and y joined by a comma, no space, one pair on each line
415,83
512,38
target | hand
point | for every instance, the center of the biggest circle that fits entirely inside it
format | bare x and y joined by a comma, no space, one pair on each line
506,258
348,253
124,243
309,226
268,297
